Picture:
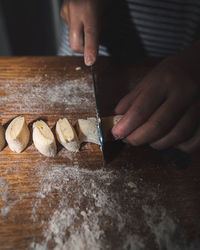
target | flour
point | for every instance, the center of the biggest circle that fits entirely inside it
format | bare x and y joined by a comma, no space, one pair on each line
88,209
3,190
71,227
168,235
94,212
39,95
131,185
4,194
7,208
63,153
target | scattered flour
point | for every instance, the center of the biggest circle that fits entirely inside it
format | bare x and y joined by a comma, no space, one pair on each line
131,185
40,95
88,209
4,193
7,208
3,190
87,202
94,212
168,235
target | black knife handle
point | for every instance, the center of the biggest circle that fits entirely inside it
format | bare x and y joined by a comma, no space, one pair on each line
177,158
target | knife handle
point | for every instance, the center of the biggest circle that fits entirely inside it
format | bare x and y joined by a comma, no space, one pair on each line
177,158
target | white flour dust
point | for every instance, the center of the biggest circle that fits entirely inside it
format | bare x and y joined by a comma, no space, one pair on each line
87,202
168,235
37,94
4,190
7,203
92,211
96,209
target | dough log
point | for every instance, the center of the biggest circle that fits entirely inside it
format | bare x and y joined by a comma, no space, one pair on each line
43,139
67,136
17,134
107,124
87,130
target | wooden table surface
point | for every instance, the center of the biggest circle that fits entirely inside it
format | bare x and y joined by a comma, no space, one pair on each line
136,201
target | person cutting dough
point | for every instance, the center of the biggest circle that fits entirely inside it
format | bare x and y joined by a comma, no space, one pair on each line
163,110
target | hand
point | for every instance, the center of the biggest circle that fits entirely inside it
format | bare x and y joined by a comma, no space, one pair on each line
83,19
163,109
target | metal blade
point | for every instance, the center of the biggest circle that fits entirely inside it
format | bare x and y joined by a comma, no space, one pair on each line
98,117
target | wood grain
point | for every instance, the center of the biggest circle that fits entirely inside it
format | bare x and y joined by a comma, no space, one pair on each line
137,201
36,88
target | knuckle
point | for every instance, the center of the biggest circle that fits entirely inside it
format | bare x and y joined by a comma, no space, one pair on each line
158,126
62,15
158,146
132,141
75,43
155,146
169,74
90,29
64,9
75,47
168,77
135,142
139,114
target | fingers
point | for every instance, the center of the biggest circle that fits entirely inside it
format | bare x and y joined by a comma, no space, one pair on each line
91,31
126,102
91,44
192,144
70,16
162,113
182,131
82,19
75,29
159,124
76,36
138,113
64,13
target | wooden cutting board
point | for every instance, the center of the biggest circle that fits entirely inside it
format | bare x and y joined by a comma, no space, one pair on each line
47,89
137,201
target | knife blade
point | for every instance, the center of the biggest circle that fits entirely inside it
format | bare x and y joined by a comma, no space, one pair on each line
98,117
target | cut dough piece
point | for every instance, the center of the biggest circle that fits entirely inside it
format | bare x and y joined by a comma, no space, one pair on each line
67,136
17,134
43,139
88,130
2,137
108,123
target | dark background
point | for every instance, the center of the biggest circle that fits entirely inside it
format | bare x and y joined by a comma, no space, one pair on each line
29,25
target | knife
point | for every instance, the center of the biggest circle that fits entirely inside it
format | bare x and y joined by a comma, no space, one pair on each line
177,158
98,117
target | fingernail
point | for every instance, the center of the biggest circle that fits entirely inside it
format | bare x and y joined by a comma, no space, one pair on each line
89,60
117,137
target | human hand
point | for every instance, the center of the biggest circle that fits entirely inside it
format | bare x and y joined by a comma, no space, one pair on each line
83,20
163,109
